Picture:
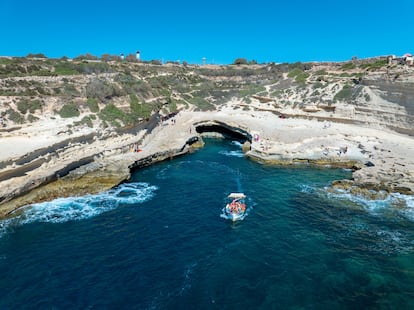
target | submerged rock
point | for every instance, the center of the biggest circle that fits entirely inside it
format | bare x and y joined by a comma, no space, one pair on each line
247,146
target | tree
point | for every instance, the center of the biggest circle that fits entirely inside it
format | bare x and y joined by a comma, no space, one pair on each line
155,62
131,58
39,55
106,57
87,56
102,90
240,61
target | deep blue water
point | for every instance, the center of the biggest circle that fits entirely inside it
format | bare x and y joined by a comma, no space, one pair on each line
159,242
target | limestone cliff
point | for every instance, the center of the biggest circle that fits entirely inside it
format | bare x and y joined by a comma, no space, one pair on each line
89,109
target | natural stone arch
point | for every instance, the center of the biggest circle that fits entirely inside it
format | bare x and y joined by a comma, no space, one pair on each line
226,130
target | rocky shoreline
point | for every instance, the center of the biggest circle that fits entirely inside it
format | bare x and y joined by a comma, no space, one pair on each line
380,160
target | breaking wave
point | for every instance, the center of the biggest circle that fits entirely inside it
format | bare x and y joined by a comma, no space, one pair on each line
379,229
78,208
394,203
232,153
305,188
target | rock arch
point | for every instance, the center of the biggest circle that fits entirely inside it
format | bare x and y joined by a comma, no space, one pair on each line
226,130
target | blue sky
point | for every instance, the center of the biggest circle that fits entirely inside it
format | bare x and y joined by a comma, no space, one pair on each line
221,31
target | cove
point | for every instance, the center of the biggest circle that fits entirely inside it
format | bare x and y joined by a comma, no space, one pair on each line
158,242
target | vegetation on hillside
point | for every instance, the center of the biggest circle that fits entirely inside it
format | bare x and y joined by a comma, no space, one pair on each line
116,92
69,110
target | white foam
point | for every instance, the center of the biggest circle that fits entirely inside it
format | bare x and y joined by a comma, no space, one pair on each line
232,153
305,188
77,208
187,278
399,203
228,217
225,216
408,205
237,143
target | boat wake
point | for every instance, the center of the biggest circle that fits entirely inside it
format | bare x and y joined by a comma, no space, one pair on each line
78,208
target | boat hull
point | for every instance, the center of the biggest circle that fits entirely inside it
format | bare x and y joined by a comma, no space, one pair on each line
232,215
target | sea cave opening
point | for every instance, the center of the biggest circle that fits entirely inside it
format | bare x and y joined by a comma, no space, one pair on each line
226,131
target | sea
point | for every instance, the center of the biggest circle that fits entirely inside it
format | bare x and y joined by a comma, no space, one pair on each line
160,241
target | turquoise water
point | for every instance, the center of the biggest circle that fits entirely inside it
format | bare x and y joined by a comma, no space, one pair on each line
159,242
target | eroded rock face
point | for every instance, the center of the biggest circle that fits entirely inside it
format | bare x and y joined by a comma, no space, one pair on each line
393,90
396,107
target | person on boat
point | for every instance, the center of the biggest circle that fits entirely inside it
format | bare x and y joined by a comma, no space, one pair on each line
242,207
233,205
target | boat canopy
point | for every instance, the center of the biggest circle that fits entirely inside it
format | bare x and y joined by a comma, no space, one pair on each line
237,195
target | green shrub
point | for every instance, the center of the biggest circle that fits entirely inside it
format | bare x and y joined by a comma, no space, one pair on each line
375,65
65,68
70,90
5,61
299,75
69,110
102,90
112,115
139,110
295,72
344,93
348,66
321,72
155,62
131,85
86,120
25,105
87,56
92,104
133,102
315,93
172,105
252,89
38,55
94,67
240,61
317,85
31,118
201,103
277,93
302,77
15,116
